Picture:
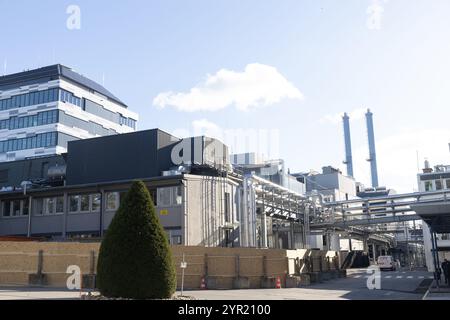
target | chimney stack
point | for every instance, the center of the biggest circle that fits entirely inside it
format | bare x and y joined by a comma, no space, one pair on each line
348,145
372,153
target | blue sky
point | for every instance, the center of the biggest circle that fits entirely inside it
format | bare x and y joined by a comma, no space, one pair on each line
326,50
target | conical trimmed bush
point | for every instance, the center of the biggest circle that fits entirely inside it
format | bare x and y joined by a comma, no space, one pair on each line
135,259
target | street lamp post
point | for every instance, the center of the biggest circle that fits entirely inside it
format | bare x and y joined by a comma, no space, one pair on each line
183,266
25,185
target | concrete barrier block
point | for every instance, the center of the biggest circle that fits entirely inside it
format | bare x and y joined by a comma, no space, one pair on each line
35,279
316,277
268,282
89,281
342,273
305,280
326,276
334,274
292,282
241,283
211,283
298,281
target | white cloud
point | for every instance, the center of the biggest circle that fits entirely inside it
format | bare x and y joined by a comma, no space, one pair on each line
258,85
264,142
207,128
397,157
355,115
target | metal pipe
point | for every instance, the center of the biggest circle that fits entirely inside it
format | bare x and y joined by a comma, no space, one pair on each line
274,185
245,214
30,202
390,197
102,212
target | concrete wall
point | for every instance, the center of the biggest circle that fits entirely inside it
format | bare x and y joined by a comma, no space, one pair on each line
205,211
220,267
19,259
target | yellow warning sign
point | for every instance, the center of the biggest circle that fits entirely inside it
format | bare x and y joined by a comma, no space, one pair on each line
164,212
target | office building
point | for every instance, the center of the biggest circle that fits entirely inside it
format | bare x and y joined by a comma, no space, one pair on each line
42,110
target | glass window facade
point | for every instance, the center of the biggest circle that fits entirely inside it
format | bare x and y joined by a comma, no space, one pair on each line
59,204
74,203
84,203
47,206
170,196
39,97
15,208
38,206
66,96
127,121
53,95
43,140
112,201
29,99
96,199
42,118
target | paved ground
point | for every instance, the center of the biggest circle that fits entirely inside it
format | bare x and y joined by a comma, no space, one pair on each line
394,285
399,285
26,293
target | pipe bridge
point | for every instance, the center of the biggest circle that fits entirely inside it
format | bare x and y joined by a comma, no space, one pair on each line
375,211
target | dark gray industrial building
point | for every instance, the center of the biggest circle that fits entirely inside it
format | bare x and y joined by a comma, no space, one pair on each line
76,194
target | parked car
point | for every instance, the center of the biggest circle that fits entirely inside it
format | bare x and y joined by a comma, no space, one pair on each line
387,263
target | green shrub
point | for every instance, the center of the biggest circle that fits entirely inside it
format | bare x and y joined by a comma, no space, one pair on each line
135,260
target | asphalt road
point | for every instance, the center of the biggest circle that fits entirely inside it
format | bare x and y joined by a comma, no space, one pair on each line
397,285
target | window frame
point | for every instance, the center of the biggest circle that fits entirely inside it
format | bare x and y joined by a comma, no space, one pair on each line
116,201
23,203
173,196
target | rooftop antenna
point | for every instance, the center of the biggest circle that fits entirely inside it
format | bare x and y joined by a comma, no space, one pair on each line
5,65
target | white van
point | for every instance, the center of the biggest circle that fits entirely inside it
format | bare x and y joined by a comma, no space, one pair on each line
387,263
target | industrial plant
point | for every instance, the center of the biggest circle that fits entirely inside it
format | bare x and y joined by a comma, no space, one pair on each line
69,151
